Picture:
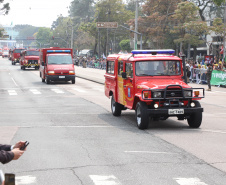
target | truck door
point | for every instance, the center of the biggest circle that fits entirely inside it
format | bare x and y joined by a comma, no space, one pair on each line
128,85
120,90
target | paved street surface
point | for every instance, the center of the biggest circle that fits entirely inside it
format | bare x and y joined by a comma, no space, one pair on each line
75,140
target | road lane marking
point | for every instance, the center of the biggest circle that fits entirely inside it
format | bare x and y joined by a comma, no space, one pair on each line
98,89
35,91
79,90
149,152
12,92
14,81
105,180
211,131
189,181
25,179
58,91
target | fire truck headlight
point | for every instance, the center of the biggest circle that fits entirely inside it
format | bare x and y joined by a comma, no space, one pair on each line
156,106
157,94
71,72
50,72
192,104
187,93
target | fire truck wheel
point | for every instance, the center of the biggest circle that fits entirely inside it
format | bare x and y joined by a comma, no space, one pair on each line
43,79
115,107
195,119
73,81
142,116
47,81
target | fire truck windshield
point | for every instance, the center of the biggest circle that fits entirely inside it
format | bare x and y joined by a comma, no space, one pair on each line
158,68
18,50
32,53
60,59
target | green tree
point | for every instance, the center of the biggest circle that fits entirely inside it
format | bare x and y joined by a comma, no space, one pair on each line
185,13
125,45
43,37
156,21
111,11
4,9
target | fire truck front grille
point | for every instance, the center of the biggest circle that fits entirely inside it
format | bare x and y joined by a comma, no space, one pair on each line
174,94
32,61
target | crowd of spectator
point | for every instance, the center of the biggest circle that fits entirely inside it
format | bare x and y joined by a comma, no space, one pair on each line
91,62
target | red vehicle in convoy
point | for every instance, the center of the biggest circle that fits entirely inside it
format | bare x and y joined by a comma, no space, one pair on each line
56,64
29,59
0,51
151,82
5,52
16,55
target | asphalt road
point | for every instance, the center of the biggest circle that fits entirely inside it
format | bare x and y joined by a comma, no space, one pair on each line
75,140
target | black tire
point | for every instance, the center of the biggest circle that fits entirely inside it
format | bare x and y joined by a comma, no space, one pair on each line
195,119
142,117
43,79
73,81
116,108
47,81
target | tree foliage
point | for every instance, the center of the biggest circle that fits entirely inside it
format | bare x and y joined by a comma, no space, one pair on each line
125,45
43,36
4,7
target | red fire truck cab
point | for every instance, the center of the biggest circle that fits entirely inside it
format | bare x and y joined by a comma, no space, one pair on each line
151,82
16,55
29,59
56,64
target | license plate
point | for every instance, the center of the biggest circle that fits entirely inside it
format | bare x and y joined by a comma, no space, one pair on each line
61,76
32,65
175,111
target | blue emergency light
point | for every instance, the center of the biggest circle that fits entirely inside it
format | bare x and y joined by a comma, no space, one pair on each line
153,52
58,51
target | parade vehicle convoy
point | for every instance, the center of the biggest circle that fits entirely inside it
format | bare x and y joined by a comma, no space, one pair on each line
56,64
16,55
29,59
152,82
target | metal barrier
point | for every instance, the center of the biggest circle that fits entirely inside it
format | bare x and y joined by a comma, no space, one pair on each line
198,75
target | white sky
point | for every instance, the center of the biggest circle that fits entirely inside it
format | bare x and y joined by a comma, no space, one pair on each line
40,13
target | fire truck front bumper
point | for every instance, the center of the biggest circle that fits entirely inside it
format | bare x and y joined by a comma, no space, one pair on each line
60,77
167,112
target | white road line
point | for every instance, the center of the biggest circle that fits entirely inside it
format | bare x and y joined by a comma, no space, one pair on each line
98,89
149,152
204,130
35,91
79,90
57,91
189,181
25,179
104,180
12,92
14,82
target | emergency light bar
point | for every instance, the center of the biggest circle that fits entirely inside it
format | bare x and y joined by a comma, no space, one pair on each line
58,51
153,52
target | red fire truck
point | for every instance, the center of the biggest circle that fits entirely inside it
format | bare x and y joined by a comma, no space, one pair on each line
56,64
29,59
16,55
151,82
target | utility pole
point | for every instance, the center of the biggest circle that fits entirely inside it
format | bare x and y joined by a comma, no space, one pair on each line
136,26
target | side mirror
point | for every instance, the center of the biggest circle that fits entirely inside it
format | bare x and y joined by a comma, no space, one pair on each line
124,75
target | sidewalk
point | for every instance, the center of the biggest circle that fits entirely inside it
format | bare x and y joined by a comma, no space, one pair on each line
97,75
